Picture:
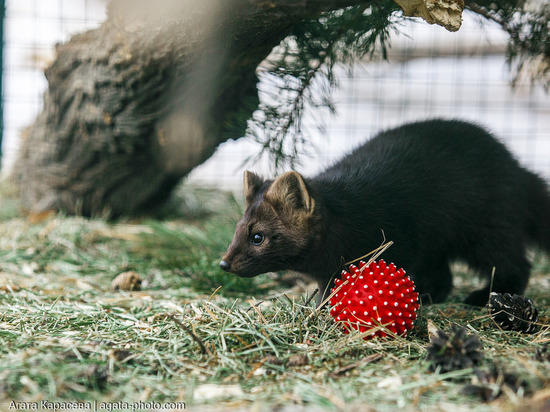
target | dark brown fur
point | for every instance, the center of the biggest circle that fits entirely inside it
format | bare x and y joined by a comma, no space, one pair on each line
284,209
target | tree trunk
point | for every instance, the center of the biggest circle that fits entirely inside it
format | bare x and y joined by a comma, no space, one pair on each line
133,106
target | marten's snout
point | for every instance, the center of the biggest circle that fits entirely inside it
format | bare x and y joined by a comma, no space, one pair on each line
226,266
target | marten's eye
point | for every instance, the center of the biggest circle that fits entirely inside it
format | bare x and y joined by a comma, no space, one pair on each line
257,239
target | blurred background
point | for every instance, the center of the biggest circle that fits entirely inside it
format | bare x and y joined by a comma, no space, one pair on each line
430,73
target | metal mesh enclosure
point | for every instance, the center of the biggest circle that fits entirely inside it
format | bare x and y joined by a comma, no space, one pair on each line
32,29
430,73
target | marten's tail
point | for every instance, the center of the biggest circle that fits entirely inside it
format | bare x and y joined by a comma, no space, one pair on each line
539,225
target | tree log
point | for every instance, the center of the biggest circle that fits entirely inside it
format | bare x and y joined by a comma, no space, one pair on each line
134,105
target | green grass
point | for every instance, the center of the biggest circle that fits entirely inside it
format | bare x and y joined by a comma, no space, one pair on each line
254,344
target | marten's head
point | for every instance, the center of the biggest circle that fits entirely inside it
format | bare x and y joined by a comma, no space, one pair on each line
279,224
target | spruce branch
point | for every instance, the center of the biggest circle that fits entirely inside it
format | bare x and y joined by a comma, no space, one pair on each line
528,25
301,75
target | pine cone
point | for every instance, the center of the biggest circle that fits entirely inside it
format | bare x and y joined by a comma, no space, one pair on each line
489,385
458,350
513,312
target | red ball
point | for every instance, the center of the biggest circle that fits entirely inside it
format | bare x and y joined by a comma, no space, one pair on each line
370,296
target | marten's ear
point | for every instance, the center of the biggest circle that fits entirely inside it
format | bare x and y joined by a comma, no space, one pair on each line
288,193
252,183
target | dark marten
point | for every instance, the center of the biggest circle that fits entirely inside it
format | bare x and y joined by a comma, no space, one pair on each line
441,190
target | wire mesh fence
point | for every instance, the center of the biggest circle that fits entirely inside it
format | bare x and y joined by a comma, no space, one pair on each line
430,73
32,29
